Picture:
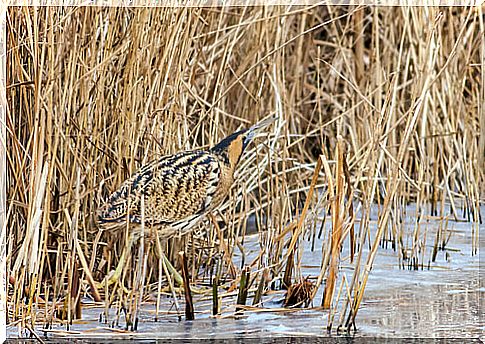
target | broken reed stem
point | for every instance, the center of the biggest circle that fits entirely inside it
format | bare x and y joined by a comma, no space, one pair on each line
290,262
261,287
337,222
325,253
243,289
189,305
301,219
215,296
349,206
76,293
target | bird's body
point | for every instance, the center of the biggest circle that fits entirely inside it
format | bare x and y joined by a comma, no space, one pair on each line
172,194
177,190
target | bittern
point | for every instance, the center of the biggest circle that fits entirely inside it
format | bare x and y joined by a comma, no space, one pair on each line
174,193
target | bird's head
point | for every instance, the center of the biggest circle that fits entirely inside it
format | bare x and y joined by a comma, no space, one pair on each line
234,145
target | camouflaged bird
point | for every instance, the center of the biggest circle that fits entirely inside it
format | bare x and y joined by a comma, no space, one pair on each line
172,194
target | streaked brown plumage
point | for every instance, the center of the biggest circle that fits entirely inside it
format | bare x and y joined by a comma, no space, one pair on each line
177,190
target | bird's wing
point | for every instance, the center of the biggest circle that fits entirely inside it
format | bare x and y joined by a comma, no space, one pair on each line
175,188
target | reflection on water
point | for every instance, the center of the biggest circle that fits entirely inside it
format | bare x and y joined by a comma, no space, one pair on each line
426,309
443,302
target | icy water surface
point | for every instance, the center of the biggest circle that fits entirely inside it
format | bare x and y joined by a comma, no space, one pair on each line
445,301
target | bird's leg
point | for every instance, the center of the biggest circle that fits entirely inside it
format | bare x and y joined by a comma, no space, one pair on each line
169,270
165,263
115,276
121,264
178,279
176,276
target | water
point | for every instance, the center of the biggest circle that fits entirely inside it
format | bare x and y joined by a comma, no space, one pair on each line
445,301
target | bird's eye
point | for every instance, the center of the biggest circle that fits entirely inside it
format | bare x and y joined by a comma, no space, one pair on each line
248,138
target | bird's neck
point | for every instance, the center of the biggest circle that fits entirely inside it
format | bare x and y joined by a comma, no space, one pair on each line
229,162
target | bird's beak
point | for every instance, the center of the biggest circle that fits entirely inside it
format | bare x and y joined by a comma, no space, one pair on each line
257,128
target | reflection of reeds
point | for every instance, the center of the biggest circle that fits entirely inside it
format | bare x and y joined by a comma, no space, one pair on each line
95,93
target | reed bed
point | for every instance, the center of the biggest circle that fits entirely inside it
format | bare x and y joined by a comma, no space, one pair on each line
377,107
